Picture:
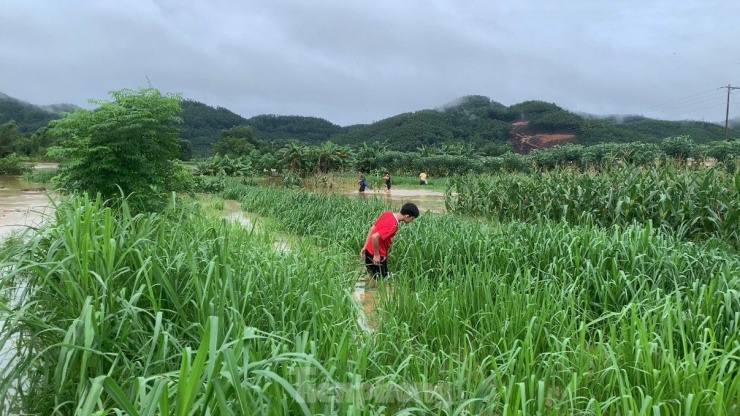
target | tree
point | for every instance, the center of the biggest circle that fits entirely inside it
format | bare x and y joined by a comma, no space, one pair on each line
295,157
129,143
331,157
236,142
186,150
8,136
679,147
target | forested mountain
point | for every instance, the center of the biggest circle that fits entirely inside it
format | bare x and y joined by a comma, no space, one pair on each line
203,124
479,121
272,128
469,121
28,117
475,121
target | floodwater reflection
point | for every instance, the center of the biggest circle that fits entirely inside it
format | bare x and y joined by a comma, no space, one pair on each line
425,199
368,298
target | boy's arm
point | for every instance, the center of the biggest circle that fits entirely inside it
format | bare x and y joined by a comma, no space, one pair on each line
370,232
376,247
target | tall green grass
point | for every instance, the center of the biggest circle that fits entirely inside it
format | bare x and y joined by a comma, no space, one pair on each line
180,313
620,320
127,297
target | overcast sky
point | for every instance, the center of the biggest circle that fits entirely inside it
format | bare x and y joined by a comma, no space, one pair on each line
360,61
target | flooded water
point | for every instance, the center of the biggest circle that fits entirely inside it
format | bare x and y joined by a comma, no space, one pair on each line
425,199
366,298
22,204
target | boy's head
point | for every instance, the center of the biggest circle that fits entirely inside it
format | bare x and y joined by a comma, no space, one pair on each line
410,212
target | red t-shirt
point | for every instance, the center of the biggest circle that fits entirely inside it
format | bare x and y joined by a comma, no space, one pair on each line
386,225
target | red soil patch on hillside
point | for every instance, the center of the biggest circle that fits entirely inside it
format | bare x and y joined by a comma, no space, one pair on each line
524,143
549,140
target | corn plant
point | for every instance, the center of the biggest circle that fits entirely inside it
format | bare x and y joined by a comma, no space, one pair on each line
695,204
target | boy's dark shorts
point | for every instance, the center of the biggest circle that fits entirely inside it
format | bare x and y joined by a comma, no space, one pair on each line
377,270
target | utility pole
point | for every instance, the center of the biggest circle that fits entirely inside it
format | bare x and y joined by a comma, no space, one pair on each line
727,112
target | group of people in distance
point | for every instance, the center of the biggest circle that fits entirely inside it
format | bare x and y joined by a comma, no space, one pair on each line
362,182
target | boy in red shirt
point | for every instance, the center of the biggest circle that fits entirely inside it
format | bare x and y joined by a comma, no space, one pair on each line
380,237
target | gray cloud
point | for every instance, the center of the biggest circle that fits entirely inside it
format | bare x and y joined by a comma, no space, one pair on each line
359,61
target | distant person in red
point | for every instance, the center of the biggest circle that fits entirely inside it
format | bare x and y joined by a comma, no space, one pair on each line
380,237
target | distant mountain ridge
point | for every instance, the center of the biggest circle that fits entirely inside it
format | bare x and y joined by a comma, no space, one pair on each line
472,120
29,117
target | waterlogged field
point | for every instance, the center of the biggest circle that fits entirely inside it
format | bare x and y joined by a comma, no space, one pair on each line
187,313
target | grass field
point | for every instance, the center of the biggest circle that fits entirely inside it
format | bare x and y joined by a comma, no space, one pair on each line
187,313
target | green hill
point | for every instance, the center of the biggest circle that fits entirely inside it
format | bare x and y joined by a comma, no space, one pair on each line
202,126
28,117
474,120
273,128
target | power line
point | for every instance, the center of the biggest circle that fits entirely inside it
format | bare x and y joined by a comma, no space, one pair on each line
680,102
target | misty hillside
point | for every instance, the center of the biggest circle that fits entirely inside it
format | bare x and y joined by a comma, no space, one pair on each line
480,121
734,123
29,117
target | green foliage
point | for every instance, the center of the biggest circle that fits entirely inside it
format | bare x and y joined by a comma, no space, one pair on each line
13,165
34,144
145,301
186,150
45,176
303,160
680,147
693,204
128,145
654,130
203,126
180,313
225,166
8,137
565,155
546,117
409,131
274,128
235,142
331,157
727,153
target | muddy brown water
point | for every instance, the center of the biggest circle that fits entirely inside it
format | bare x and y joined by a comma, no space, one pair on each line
23,204
425,199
